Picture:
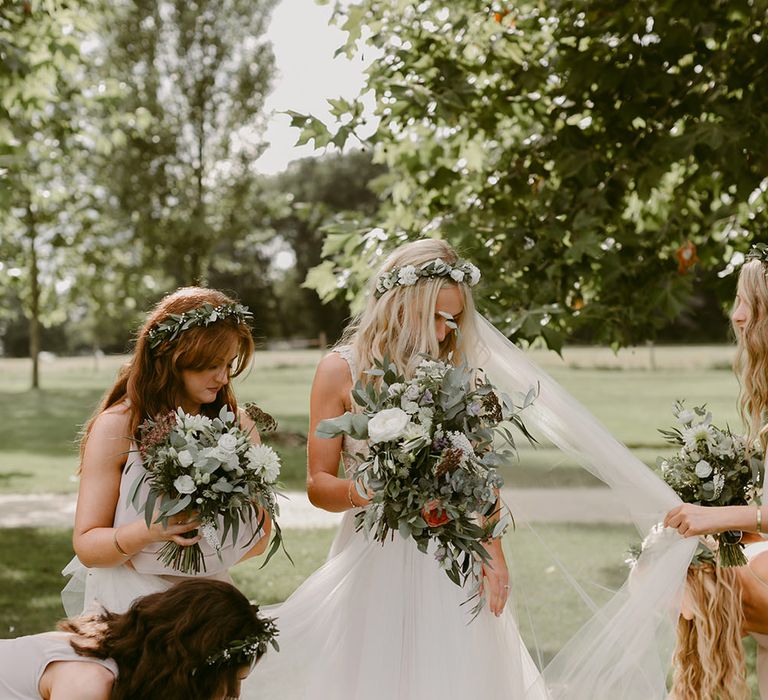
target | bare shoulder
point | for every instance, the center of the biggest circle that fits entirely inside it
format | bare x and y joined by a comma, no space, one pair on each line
759,564
79,680
333,369
113,421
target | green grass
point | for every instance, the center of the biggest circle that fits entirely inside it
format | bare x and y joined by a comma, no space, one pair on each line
38,430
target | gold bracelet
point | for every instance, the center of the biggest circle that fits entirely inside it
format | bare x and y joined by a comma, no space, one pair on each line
349,494
117,545
759,514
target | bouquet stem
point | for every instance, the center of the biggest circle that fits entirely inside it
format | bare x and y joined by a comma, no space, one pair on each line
190,559
730,551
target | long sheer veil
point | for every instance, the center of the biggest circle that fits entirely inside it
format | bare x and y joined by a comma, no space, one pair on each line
624,649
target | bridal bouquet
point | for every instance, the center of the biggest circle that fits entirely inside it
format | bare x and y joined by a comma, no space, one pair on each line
712,468
431,465
210,466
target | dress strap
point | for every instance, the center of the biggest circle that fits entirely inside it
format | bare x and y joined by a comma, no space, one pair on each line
348,354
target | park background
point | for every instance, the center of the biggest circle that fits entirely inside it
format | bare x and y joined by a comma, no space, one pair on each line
603,163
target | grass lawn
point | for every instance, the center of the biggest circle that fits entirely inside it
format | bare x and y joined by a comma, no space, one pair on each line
38,430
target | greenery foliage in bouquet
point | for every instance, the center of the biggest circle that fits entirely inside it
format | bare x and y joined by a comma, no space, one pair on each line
712,468
209,466
432,462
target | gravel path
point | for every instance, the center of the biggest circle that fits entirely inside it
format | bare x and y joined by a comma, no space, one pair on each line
589,505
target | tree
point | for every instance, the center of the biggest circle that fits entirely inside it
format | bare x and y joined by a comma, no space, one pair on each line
201,71
45,100
571,149
320,188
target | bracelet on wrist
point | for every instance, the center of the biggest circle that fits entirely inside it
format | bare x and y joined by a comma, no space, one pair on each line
349,494
117,545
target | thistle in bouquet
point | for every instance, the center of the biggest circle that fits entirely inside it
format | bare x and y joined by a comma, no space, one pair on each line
432,461
712,467
208,466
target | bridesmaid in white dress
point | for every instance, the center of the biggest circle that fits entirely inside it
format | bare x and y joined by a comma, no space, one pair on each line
750,323
168,646
383,621
192,343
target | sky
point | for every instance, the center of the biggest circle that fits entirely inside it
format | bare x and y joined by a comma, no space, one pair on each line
307,75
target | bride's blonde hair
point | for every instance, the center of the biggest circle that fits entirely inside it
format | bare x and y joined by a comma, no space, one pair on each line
709,659
400,323
751,363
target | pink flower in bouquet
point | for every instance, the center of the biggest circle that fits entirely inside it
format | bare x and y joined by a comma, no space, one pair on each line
434,515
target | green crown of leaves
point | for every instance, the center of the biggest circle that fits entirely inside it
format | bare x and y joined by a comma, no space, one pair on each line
759,251
408,275
242,652
175,324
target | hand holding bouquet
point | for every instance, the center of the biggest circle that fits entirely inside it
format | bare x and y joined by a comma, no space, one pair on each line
431,465
712,468
209,466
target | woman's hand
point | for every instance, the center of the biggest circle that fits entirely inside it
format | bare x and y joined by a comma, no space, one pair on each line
691,520
495,582
177,525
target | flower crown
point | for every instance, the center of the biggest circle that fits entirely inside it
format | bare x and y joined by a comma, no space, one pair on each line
242,652
174,325
759,251
408,275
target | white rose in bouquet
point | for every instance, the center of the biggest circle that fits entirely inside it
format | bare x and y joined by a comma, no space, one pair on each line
184,484
703,469
228,442
387,425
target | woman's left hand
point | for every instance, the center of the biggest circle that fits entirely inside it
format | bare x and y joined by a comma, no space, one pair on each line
495,583
691,520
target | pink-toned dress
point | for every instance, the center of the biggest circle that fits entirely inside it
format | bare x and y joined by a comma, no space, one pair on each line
24,660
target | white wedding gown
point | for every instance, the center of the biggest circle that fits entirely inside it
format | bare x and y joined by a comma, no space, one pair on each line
384,622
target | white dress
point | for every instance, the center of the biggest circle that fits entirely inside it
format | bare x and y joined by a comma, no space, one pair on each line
115,588
384,622
751,551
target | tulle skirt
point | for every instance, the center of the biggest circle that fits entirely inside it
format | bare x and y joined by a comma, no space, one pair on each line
113,588
384,622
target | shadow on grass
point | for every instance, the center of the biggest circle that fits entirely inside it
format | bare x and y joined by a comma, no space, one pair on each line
31,580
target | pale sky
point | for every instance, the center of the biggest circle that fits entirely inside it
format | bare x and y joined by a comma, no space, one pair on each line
307,75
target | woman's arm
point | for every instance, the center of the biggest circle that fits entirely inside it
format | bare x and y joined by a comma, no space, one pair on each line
330,390
95,540
691,520
261,545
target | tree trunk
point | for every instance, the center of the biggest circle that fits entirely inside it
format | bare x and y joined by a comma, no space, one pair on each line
34,318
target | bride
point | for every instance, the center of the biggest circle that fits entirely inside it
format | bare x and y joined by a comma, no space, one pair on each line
383,621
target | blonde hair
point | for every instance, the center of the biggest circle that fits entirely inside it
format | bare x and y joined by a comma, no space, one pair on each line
751,362
400,324
709,659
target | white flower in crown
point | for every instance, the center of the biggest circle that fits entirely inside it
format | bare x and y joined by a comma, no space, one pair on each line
407,275
474,274
457,275
439,266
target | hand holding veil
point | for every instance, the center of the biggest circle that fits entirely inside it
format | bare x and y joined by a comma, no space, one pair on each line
625,649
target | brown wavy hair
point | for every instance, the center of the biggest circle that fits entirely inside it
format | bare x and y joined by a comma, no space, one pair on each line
151,379
161,644
709,659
